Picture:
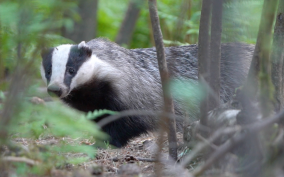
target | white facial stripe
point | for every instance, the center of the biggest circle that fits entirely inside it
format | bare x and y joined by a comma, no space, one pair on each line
97,68
59,61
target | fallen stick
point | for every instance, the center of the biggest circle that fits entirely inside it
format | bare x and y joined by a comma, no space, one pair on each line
20,159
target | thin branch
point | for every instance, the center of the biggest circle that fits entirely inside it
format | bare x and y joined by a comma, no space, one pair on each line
237,138
116,159
213,146
203,55
127,113
202,145
215,53
145,159
20,159
164,74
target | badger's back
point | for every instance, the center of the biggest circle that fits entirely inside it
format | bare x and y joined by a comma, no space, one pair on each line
182,61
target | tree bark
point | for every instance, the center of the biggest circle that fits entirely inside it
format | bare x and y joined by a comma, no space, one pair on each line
215,53
203,55
128,25
85,29
258,81
260,68
277,58
168,103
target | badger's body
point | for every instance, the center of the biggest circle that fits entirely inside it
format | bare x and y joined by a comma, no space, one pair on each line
102,75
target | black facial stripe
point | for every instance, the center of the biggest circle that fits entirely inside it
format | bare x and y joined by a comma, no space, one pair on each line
75,60
47,63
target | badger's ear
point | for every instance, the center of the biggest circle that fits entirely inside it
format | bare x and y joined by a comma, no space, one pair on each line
83,47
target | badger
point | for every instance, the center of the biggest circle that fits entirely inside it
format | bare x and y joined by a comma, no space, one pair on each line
100,74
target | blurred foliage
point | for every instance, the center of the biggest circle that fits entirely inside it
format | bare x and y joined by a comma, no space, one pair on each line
190,93
240,21
25,28
98,113
37,121
27,22
169,12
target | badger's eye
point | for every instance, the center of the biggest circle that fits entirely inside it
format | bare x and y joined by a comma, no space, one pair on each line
48,72
71,71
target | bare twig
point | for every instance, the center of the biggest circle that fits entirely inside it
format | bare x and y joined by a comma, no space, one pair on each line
206,141
20,159
202,145
237,138
127,113
116,159
145,159
164,74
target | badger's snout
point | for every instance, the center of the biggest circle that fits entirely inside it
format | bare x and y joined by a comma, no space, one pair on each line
54,89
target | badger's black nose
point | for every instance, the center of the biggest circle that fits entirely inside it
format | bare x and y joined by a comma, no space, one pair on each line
54,90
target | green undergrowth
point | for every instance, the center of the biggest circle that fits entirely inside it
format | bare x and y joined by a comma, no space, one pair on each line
53,131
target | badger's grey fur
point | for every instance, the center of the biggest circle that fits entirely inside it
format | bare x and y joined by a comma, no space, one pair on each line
102,75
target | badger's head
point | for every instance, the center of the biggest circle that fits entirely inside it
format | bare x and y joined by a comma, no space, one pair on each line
66,67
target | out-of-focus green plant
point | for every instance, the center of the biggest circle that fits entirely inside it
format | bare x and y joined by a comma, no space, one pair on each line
111,14
97,113
241,20
27,23
52,119
189,93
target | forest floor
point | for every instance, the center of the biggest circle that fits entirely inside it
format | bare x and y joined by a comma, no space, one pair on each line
135,159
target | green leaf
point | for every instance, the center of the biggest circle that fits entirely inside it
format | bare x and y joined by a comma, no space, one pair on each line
98,113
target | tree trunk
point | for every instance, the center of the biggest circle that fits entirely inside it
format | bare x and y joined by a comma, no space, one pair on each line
215,53
128,25
260,65
277,58
85,29
203,55
258,81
